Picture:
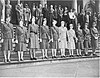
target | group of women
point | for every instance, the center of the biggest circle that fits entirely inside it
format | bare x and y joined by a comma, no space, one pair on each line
44,37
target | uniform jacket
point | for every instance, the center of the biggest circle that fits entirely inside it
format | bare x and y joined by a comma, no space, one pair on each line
33,29
86,34
44,31
21,34
7,31
94,33
54,33
79,35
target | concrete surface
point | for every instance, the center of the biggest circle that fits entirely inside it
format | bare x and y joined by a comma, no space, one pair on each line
76,69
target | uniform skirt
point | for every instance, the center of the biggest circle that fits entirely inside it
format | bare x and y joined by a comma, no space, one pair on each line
94,43
71,44
7,45
86,44
33,41
21,46
54,45
79,45
44,44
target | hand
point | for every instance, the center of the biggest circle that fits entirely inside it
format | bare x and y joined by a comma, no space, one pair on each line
12,40
52,39
59,40
27,41
40,40
2,40
96,38
16,41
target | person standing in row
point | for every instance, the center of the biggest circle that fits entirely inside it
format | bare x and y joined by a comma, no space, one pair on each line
94,38
33,38
71,41
27,15
19,8
63,38
33,10
86,33
54,30
79,44
44,38
21,38
8,9
7,39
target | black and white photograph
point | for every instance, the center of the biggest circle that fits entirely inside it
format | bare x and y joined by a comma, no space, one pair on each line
50,38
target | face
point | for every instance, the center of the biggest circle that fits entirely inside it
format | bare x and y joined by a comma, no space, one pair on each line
71,10
51,6
7,20
71,26
62,23
44,22
94,24
79,25
86,25
54,22
21,23
40,5
26,6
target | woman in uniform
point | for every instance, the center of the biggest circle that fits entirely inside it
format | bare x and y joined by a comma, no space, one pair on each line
44,38
71,42
33,38
86,33
79,44
62,38
94,38
7,39
21,35
54,31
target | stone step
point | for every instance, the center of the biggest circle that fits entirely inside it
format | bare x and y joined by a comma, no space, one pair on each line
50,60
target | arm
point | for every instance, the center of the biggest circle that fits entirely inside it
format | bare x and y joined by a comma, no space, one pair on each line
92,33
17,8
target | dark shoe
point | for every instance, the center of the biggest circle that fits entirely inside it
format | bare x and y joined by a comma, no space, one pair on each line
61,56
72,55
55,57
34,59
94,55
8,60
46,57
31,58
86,55
21,60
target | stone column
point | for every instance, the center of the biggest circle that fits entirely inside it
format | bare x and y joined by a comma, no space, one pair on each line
3,11
99,5
18,1
75,4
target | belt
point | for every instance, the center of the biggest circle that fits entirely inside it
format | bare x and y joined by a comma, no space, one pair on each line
33,32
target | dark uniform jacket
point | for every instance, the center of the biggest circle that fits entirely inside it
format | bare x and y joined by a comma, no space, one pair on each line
21,34
86,34
44,31
7,31
54,33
